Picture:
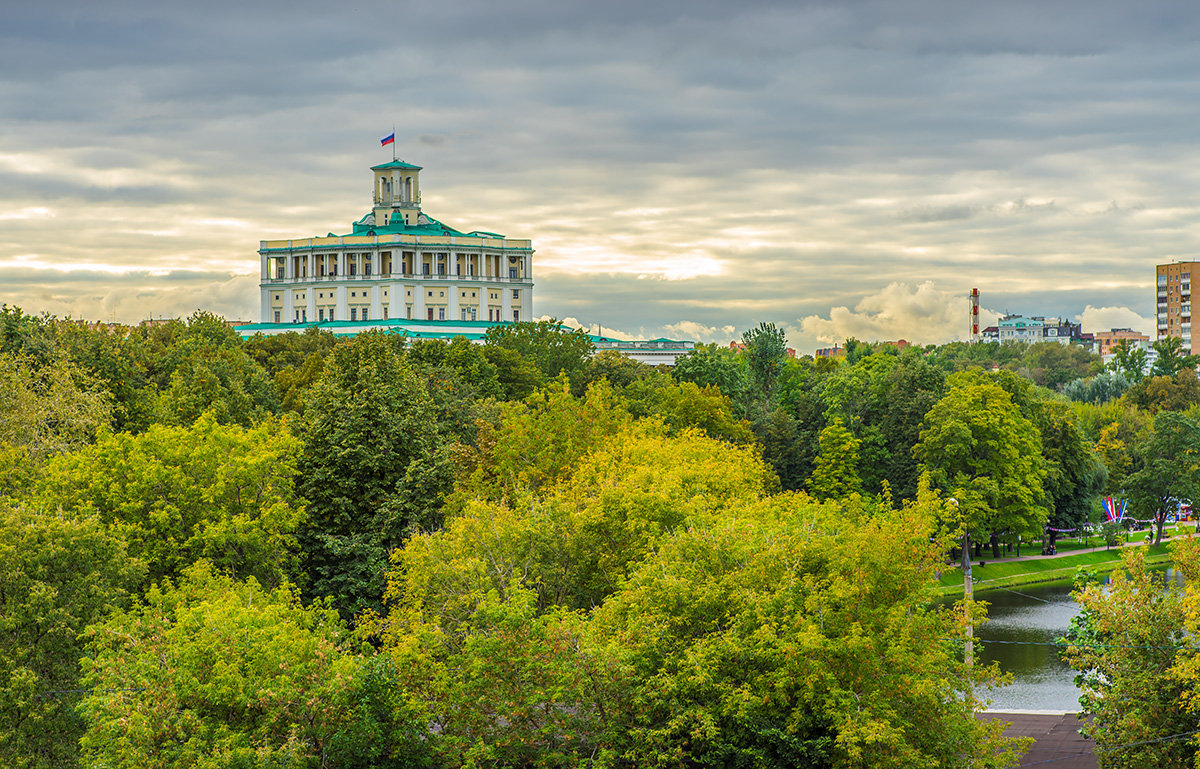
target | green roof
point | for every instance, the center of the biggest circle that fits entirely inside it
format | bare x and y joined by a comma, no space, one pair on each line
397,226
396,164
424,329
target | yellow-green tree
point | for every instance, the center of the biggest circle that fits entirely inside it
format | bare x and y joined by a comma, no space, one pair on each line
1137,671
178,494
215,672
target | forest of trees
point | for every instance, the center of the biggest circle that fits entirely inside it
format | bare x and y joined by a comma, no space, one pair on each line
310,551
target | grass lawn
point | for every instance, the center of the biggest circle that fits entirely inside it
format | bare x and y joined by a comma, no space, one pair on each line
1004,573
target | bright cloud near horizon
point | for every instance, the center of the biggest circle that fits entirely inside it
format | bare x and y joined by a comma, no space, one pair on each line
684,169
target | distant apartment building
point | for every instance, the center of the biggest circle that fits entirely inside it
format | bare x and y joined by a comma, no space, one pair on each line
1174,305
1036,328
1107,340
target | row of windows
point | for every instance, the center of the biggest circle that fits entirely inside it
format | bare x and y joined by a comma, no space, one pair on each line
363,313
516,294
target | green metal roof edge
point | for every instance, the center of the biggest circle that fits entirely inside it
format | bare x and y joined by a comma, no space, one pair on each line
396,164
528,249
381,321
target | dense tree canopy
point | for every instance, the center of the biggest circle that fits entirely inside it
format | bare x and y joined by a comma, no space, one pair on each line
548,555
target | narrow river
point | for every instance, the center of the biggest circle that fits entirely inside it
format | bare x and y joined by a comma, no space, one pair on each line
1022,627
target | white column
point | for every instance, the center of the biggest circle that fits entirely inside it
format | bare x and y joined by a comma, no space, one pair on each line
419,301
395,300
341,264
453,311
505,304
376,263
289,308
265,315
483,306
377,302
310,302
266,267
343,311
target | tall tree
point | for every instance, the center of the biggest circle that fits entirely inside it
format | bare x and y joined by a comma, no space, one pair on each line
50,408
980,450
836,473
370,438
1168,469
177,494
711,365
766,354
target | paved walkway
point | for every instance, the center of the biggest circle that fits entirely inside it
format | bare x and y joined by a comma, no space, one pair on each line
1058,744
986,554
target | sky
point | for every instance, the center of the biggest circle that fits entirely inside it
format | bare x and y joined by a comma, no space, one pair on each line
684,169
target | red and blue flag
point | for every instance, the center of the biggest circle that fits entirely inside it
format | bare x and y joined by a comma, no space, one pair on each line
389,139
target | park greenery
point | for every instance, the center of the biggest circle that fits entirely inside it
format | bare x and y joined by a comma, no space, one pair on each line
310,551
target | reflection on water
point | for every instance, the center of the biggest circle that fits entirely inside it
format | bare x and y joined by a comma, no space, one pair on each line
1035,616
1022,627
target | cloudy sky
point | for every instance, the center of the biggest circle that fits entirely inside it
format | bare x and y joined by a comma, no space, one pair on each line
684,168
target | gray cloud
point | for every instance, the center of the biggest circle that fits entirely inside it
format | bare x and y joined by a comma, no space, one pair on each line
703,162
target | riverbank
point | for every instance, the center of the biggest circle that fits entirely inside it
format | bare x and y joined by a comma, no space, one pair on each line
1010,572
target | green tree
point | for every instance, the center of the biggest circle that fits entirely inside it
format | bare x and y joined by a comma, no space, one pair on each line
466,359
1098,389
293,361
836,473
980,450
1168,469
178,494
619,369
882,399
786,638
1125,643
1171,359
1053,364
538,442
548,344
517,375
49,409
684,405
709,365
766,354
1130,360
222,382
369,436
216,672
58,574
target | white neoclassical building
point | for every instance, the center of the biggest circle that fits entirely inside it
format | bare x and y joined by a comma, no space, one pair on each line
397,264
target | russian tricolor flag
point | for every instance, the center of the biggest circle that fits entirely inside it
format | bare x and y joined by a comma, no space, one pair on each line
389,139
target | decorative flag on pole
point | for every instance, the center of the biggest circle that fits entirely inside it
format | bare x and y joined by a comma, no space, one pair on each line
1115,508
389,139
